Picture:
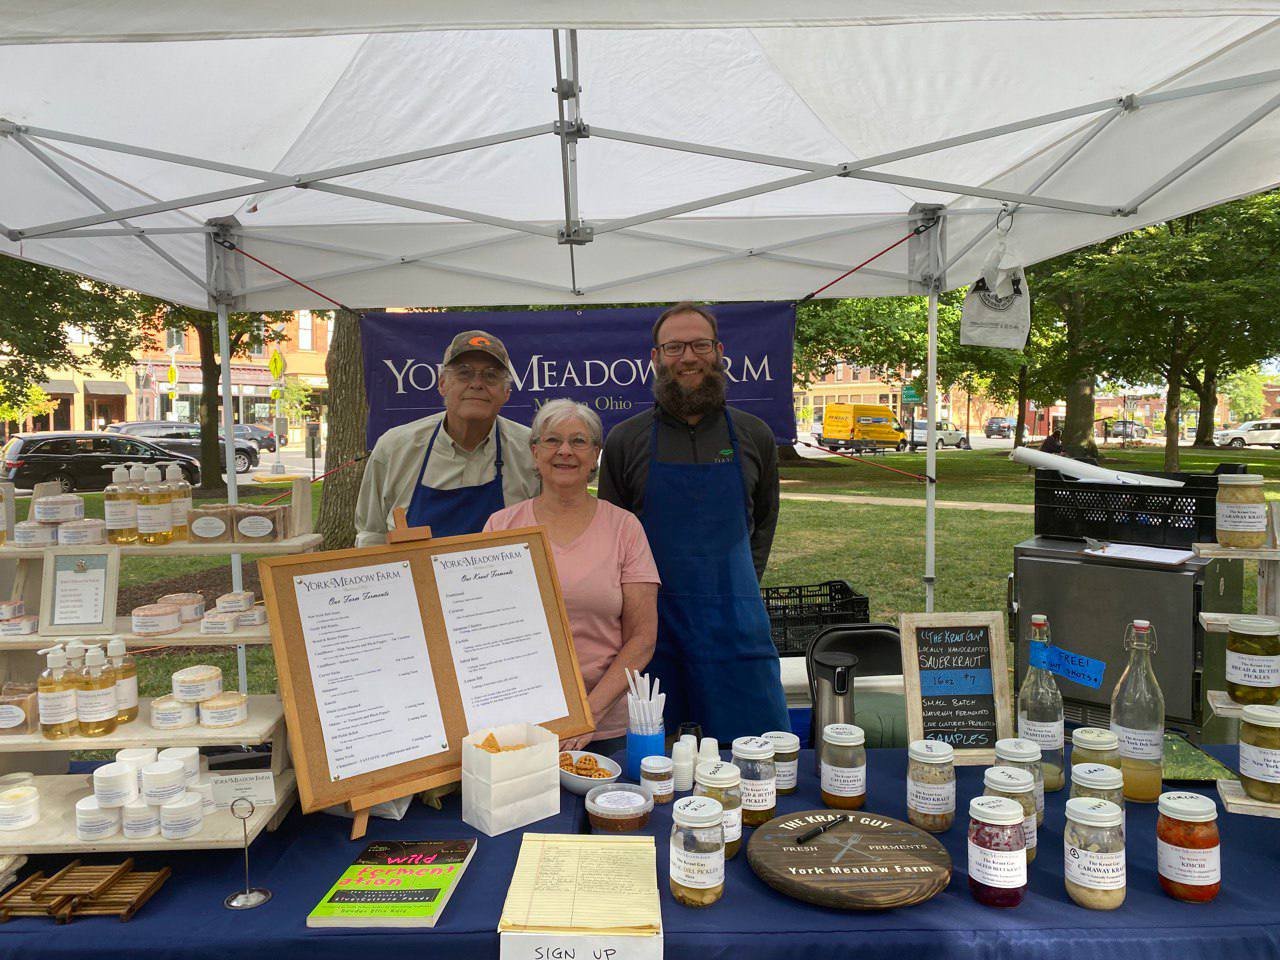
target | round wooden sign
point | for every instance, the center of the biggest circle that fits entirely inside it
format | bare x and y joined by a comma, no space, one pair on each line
863,861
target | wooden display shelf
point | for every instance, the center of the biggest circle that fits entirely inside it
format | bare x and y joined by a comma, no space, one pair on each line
56,831
1216,551
1237,801
1222,705
1217,622
266,714
302,544
188,636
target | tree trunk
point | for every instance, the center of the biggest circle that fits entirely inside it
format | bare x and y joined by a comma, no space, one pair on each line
348,412
1172,414
1020,431
788,454
1208,395
211,482
1077,427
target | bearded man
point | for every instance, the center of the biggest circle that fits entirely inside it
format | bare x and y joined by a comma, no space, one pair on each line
703,479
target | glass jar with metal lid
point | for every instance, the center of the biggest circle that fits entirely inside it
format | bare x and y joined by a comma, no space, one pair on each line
659,775
697,851
1253,660
1260,752
1093,853
1024,755
722,781
931,785
1095,745
1188,852
1018,786
844,766
1242,511
754,757
1097,781
786,759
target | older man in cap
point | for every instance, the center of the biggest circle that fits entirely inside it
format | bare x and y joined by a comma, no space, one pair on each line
453,469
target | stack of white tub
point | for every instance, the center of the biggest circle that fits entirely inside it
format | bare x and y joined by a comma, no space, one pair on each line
144,793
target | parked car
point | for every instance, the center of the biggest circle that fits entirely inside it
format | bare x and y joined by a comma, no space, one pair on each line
1002,427
80,460
181,437
1127,430
948,435
265,438
1253,433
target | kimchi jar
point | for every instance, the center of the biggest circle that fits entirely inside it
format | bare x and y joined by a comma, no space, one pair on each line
1187,847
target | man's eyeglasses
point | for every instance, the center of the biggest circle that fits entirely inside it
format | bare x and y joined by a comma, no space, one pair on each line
489,376
676,348
577,443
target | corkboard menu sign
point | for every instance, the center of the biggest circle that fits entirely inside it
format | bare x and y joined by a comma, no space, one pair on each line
388,656
957,682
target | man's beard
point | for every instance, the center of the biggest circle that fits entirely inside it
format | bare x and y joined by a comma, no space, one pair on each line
706,397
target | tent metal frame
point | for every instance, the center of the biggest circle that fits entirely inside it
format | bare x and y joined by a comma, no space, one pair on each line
574,231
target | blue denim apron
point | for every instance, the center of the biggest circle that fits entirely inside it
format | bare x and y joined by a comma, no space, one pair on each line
715,655
462,510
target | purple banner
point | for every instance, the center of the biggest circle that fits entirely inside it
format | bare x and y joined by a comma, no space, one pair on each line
597,357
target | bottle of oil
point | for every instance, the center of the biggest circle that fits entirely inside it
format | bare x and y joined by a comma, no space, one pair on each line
137,473
120,508
179,500
96,695
126,669
1137,717
75,657
155,524
56,696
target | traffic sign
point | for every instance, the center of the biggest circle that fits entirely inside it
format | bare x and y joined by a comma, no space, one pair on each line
276,364
910,394
172,375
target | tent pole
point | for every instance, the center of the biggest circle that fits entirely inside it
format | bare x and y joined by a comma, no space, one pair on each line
931,450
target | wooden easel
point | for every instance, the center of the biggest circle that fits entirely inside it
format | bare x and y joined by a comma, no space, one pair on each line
360,806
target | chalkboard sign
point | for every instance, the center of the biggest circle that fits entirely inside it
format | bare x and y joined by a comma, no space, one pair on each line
956,679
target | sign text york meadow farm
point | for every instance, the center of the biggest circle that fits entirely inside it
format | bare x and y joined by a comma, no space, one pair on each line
597,357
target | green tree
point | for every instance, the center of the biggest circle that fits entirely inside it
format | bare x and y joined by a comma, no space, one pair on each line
295,400
247,331
38,308
34,403
1243,390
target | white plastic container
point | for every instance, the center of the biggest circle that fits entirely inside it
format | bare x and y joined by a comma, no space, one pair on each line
115,784
139,819
163,781
19,807
95,822
182,817
205,789
137,757
189,757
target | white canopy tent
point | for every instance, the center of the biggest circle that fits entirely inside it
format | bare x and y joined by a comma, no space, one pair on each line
490,152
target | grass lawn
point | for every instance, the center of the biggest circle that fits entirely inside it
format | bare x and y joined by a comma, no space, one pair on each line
989,476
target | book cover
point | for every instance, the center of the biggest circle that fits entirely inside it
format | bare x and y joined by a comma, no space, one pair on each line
395,883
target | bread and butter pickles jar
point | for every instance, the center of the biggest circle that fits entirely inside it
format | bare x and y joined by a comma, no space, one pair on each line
786,759
754,757
1253,660
1242,511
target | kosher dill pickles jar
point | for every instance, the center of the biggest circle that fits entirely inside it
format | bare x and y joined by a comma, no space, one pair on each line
722,782
1260,752
697,852
1253,660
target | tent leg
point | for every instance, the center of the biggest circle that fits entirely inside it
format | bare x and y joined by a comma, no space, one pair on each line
233,492
931,446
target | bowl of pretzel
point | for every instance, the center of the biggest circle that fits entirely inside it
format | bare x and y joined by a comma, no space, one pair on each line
580,771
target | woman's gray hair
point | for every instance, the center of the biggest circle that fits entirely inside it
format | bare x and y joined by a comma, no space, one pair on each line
555,412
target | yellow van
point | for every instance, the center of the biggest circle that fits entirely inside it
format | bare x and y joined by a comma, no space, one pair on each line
860,426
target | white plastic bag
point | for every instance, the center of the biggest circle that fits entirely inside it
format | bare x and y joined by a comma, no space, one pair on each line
997,308
388,810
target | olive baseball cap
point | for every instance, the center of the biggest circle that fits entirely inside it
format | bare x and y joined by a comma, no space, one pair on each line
477,341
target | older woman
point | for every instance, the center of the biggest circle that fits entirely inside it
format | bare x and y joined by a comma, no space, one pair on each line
607,574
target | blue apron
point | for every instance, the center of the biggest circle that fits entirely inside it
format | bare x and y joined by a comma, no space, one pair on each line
715,655
462,510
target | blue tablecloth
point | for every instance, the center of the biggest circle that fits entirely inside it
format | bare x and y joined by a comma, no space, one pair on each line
299,862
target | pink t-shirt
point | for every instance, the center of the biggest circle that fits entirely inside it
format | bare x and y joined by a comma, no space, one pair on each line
613,550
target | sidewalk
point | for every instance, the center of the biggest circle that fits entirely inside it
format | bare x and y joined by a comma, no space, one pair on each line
911,502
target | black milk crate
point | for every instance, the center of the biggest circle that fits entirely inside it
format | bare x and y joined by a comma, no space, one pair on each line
796,614
1120,513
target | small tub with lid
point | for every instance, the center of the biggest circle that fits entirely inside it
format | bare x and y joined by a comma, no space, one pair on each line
1260,752
997,857
19,807
1018,786
844,766
697,851
1253,660
1242,511
1188,853
754,757
1023,754
1093,853
931,785
659,775
722,782
1095,745
619,807
786,759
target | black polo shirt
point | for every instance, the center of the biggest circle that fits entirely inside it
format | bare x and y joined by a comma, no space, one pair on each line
624,466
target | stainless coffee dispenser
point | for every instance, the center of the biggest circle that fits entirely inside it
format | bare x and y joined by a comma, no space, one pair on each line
833,673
